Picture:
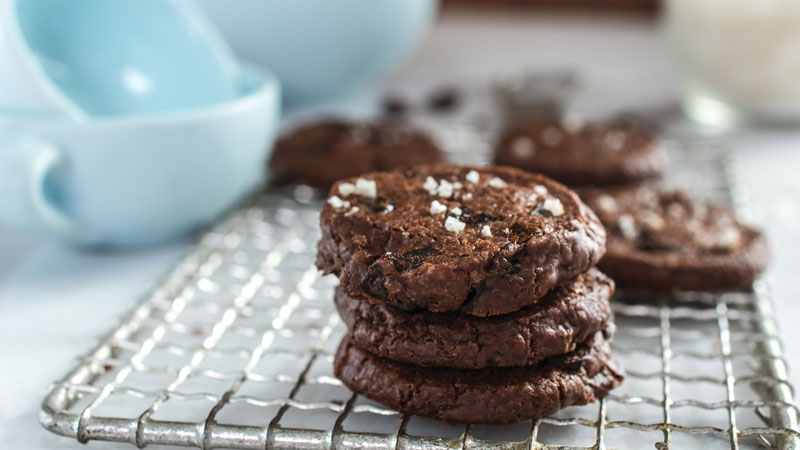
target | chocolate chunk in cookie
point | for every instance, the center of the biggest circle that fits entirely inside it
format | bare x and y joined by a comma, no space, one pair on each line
321,153
566,316
495,395
664,240
581,155
484,241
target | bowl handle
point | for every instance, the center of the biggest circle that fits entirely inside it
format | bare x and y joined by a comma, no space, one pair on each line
25,202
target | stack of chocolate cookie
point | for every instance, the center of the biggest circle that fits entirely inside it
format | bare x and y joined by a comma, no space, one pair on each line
470,294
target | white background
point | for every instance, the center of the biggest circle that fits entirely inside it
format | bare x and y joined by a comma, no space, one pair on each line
55,300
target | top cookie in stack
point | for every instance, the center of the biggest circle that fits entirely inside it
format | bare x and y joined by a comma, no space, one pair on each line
447,238
424,255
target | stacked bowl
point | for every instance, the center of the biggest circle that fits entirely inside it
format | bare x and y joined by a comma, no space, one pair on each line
125,122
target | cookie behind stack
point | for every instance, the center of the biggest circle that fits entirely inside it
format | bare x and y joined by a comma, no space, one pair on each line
469,293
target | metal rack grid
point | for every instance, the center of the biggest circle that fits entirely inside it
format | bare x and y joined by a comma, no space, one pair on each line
234,348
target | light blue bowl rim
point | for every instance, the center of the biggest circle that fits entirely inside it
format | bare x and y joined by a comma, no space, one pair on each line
49,88
257,84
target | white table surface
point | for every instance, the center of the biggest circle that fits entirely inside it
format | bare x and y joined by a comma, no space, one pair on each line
54,300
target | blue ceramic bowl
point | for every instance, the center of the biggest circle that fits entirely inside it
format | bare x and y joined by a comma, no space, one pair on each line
320,48
98,58
132,180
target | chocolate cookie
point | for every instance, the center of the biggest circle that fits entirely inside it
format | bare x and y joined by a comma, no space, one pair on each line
566,316
578,155
666,241
484,241
321,153
494,395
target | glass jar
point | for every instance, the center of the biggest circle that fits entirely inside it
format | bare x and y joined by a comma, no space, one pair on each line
738,61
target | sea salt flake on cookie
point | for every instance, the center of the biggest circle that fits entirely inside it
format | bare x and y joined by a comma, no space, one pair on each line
615,140
445,189
456,211
552,136
486,231
338,203
366,188
606,203
473,176
573,123
627,226
497,183
347,189
523,147
539,189
728,238
554,206
653,221
454,225
430,185
437,208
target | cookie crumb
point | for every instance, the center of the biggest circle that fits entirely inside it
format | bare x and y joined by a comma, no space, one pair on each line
454,225
473,176
437,208
486,231
497,183
628,227
456,211
523,147
554,206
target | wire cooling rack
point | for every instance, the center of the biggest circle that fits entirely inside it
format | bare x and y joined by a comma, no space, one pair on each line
234,349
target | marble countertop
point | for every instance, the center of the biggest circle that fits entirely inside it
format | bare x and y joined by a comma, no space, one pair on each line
54,300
